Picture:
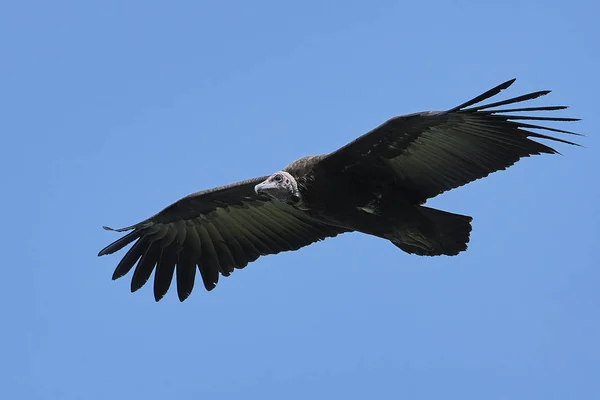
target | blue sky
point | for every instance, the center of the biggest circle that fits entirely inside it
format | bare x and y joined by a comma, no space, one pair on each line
112,110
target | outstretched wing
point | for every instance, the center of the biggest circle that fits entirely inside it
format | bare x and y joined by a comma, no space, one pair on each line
217,230
432,152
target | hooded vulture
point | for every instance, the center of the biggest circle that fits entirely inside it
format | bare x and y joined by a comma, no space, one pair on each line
376,184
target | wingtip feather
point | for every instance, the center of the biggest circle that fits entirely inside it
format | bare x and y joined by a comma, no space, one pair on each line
485,95
127,228
507,84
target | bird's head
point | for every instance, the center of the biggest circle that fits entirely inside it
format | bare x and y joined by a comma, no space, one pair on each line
281,186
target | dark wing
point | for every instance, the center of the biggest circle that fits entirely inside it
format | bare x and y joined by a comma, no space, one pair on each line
217,230
432,152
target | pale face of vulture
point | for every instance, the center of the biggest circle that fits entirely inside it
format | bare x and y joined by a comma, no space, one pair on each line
280,186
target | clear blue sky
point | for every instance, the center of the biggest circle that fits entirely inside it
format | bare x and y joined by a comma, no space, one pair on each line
112,110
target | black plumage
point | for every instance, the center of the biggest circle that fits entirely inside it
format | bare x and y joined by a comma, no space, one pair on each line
375,184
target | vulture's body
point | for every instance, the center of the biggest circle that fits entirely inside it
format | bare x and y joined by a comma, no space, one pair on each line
377,185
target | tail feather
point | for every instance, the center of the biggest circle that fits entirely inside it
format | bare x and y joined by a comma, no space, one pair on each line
436,233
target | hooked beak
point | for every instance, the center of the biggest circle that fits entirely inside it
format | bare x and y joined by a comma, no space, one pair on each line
264,187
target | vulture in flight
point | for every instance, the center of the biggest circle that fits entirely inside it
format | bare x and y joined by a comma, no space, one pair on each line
376,184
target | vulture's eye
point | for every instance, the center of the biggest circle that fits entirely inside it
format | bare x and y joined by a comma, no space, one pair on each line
277,178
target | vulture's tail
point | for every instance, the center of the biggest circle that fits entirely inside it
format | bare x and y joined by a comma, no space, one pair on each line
436,233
